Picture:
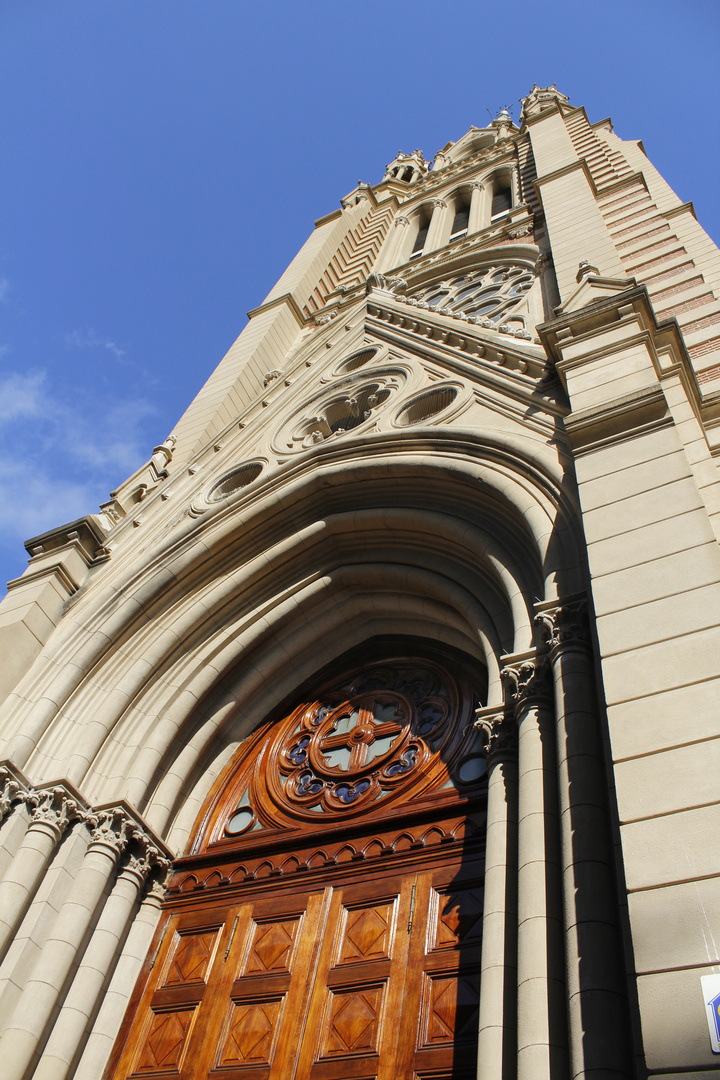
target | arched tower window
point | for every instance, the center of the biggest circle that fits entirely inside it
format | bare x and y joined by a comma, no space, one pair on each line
461,216
423,224
502,197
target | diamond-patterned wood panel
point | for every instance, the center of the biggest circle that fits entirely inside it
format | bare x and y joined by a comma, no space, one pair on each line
353,1022
458,918
191,958
252,1033
165,1042
368,934
271,947
449,1009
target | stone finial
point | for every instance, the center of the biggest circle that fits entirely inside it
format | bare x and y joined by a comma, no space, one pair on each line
539,100
162,455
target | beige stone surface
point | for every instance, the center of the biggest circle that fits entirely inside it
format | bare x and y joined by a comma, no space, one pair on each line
575,461
676,926
672,848
675,1029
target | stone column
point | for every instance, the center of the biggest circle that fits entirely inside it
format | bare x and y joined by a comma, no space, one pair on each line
542,1030
496,1039
82,998
600,1043
110,831
13,814
477,218
115,999
439,225
398,240
54,809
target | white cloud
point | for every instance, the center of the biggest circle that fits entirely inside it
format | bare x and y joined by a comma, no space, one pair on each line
88,339
60,458
32,502
21,395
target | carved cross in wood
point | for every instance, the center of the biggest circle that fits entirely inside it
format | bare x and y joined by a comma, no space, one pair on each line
359,738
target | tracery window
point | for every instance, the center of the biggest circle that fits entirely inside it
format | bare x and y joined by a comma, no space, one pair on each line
492,292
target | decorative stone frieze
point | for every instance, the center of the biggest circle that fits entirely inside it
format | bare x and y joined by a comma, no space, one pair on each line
13,790
144,858
112,829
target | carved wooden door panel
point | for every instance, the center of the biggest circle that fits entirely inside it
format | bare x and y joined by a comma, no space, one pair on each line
328,922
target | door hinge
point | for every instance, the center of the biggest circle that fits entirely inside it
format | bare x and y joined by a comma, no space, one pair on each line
411,916
232,935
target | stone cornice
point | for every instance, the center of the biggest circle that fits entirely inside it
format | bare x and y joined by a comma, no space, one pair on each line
286,300
84,534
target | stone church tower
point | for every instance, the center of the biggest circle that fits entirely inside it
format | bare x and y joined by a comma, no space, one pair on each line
371,728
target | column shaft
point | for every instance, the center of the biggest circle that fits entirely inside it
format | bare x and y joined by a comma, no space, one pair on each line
23,877
477,218
542,1038
496,1041
115,1000
82,998
39,998
437,228
600,1041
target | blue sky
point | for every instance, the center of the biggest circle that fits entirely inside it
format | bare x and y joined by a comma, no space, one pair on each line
161,161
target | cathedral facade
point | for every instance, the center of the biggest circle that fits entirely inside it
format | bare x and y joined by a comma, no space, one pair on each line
371,728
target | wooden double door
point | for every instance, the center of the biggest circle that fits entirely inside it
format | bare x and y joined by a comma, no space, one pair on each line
326,920
366,977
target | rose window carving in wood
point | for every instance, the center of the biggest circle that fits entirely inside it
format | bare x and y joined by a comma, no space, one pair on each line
394,732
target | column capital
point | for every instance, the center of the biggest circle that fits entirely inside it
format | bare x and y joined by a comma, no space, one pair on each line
477,185
54,807
144,857
401,220
439,203
111,829
564,623
12,790
527,682
498,732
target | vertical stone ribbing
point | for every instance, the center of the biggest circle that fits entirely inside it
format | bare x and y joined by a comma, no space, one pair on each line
84,994
115,1000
